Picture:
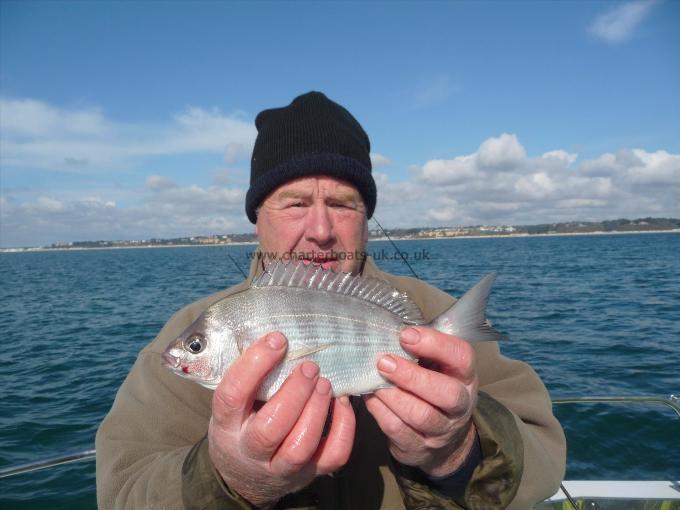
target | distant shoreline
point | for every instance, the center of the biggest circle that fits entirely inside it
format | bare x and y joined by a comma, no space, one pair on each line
246,243
551,234
141,246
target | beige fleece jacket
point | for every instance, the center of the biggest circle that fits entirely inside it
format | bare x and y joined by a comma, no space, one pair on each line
152,452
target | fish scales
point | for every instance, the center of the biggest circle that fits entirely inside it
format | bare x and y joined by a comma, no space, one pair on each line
341,322
355,332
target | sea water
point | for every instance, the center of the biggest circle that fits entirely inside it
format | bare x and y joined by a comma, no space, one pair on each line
594,315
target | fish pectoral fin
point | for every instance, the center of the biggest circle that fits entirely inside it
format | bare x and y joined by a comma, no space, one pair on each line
306,351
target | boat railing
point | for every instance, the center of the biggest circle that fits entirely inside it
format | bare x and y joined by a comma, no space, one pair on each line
47,463
672,401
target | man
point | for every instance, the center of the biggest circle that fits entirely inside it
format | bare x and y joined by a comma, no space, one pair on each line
465,428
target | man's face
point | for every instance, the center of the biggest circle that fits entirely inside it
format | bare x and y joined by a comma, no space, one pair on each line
319,219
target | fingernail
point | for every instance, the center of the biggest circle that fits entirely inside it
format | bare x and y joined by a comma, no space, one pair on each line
410,336
309,369
387,364
323,386
344,400
275,341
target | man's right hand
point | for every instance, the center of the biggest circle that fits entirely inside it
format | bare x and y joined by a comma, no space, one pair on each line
277,450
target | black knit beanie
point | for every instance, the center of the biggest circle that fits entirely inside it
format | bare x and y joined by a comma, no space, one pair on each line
311,136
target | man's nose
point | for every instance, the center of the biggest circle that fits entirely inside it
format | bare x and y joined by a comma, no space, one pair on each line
320,225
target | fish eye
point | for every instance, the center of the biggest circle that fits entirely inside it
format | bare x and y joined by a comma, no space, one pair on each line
194,344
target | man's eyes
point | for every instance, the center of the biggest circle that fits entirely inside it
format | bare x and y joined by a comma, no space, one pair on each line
334,205
343,205
299,203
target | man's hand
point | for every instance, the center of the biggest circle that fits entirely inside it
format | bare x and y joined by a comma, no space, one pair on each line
427,417
279,449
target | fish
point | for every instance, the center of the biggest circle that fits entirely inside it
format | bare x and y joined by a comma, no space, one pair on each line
344,323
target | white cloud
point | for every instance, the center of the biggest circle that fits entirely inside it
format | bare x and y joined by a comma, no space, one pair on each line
444,215
31,118
379,160
561,155
656,168
619,23
40,137
498,184
381,179
506,186
165,209
572,203
48,205
36,135
449,171
500,154
636,167
503,153
535,186
604,165
158,182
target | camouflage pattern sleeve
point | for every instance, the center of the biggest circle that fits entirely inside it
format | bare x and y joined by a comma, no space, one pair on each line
496,479
202,487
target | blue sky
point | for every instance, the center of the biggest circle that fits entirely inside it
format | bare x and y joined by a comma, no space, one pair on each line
122,120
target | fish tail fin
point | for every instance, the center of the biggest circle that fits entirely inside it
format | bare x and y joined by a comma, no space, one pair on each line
466,317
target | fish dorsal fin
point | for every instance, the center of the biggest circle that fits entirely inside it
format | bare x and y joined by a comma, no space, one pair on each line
314,277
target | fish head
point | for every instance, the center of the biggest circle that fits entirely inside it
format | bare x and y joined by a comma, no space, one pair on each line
197,353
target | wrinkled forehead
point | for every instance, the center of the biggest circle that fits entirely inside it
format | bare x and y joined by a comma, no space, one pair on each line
318,186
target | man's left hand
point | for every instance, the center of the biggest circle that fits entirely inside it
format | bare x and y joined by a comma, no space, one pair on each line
427,417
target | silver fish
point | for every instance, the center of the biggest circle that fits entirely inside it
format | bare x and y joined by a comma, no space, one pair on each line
343,323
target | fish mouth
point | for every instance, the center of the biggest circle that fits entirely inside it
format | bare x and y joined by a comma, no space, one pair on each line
170,361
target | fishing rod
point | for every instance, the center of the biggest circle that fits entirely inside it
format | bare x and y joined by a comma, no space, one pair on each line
401,254
237,266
